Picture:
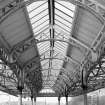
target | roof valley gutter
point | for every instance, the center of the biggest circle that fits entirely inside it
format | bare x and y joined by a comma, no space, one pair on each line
51,23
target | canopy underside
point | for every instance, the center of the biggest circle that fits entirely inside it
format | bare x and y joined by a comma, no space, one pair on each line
53,46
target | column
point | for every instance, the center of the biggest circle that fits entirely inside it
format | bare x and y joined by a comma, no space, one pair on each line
84,84
59,100
20,86
98,98
85,98
66,100
20,97
34,100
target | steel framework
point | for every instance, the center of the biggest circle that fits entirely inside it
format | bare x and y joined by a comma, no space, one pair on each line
50,44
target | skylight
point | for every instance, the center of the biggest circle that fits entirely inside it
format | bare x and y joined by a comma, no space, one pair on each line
51,23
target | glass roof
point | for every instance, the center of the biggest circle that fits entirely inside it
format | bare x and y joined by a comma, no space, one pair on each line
51,22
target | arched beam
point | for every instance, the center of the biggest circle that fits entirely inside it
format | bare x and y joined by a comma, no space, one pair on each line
72,42
52,69
66,59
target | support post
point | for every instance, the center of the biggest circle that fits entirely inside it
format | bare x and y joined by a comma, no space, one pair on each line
59,100
85,98
20,95
32,100
20,99
84,84
35,100
67,100
98,98
20,85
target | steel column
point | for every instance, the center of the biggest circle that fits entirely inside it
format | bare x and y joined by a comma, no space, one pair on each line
34,100
59,100
20,98
20,86
85,99
66,100
84,84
